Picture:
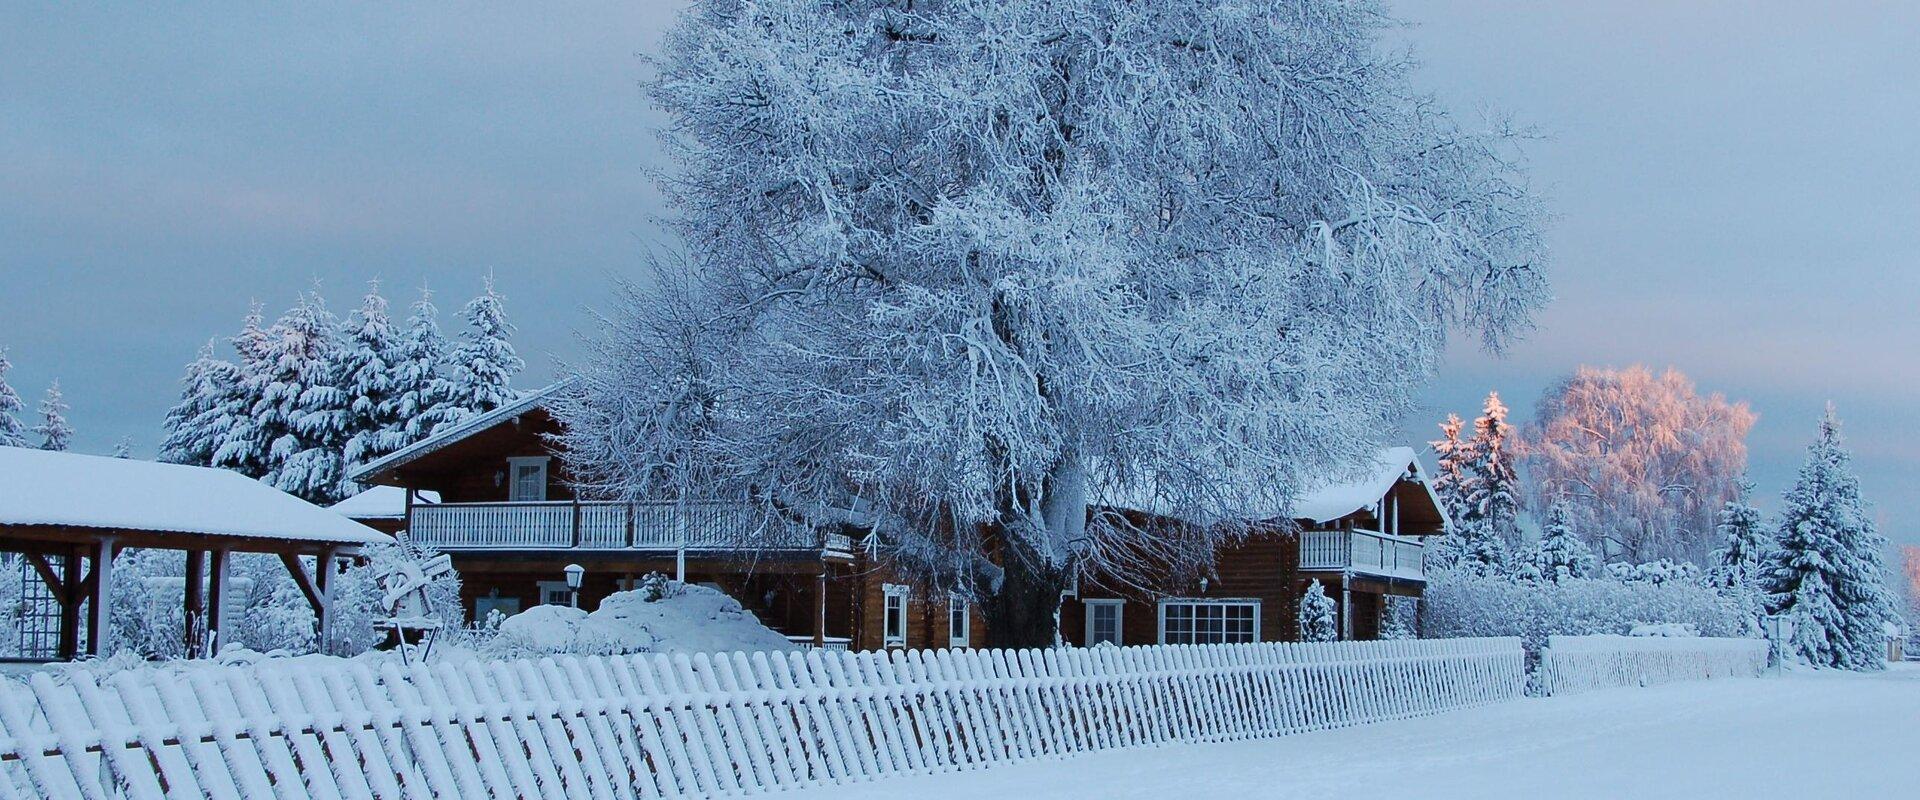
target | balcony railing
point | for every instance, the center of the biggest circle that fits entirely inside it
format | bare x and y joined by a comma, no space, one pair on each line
1364,552
564,525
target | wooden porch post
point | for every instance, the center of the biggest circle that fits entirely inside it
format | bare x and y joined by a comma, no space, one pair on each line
820,609
196,610
102,598
323,581
69,596
1346,607
216,595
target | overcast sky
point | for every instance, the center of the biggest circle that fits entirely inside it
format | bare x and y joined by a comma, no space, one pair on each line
1736,189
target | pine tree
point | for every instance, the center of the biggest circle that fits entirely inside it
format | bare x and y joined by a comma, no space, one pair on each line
123,448
481,368
1316,615
369,369
1827,571
1450,468
422,397
1560,554
55,433
1487,520
1743,547
305,406
13,433
240,438
195,426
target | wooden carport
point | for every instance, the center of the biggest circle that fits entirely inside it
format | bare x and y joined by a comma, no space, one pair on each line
84,510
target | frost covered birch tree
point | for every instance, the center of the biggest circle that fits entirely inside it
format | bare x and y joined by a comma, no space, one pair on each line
970,269
1645,460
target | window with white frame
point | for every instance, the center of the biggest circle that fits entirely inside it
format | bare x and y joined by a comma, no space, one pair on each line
959,622
527,479
1103,621
1208,621
893,621
555,593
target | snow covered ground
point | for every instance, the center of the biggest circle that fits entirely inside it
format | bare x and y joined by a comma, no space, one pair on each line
1804,735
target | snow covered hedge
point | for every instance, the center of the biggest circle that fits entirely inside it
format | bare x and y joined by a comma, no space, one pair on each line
660,617
1459,605
1581,663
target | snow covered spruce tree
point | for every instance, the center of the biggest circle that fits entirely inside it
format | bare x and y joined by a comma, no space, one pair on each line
480,369
1828,569
241,439
1735,565
197,424
422,397
369,371
301,411
1317,615
1559,555
13,433
1486,523
54,431
986,265
1453,457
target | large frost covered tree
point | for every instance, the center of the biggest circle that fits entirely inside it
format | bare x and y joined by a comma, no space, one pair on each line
1453,455
243,440
13,433
1645,459
54,431
1828,570
988,265
209,402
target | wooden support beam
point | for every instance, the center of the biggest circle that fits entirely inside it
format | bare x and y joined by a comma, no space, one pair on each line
820,610
302,579
216,596
69,605
55,585
195,609
324,567
100,595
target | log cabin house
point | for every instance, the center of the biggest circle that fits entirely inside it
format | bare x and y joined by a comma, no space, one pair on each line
492,492
1364,539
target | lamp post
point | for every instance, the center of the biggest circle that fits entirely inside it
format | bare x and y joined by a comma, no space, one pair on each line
575,573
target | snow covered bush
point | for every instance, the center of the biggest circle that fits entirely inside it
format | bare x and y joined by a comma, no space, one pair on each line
1559,555
670,617
1658,573
12,597
1316,615
1464,605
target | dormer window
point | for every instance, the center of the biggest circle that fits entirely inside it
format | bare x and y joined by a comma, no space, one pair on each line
527,479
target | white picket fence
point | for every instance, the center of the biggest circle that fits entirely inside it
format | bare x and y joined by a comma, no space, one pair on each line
1582,663
647,726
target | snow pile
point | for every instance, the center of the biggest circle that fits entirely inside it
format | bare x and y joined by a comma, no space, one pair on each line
1666,629
1582,663
1458,605
664,618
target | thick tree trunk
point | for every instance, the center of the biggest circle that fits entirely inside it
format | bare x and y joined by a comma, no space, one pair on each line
1024,612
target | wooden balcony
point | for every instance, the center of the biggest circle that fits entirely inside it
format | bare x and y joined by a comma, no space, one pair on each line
1363,552
567,525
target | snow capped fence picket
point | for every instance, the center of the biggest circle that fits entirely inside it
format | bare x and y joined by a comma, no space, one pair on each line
1582,663
668,726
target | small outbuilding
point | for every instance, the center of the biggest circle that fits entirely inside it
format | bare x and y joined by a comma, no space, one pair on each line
68,515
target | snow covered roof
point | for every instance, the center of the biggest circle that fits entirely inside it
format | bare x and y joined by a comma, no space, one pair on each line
461,430
1337,500
380,502
73,490
1327,502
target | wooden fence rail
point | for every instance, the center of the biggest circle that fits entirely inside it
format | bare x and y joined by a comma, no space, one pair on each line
621,727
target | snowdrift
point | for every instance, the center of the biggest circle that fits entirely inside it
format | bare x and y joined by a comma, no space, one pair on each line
683,619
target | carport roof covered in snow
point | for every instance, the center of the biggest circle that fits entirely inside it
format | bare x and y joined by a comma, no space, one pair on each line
63,509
